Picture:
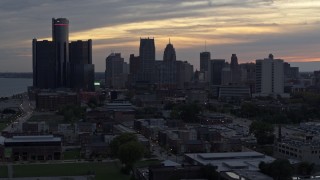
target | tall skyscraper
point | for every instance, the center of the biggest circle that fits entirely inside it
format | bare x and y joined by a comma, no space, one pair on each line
235,70
169,53
147,59
216,66
44,63
269,76
80,66
60,36
166,70
53,67
234,61
204,61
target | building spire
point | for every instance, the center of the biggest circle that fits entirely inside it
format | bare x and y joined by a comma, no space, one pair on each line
169,41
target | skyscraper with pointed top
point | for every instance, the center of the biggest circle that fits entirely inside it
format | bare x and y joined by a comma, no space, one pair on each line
169,53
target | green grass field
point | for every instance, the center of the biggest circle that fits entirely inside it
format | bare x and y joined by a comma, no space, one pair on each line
102,171
3,171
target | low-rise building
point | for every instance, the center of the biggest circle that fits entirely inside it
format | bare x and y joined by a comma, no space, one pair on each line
52,101
303,150
230,160
32,148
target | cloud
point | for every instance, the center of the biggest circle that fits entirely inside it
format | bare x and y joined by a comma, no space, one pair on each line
251,28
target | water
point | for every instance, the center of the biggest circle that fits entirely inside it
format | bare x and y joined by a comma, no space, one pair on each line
11,86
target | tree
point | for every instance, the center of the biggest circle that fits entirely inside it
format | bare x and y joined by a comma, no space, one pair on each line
249,110
130,152
186,112
262,131
305,168
120,140
71,113
280,169
210,172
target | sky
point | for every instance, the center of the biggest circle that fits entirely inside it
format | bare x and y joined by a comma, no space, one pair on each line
289,29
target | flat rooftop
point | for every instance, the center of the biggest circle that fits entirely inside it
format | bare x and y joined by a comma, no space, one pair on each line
47,138
230,160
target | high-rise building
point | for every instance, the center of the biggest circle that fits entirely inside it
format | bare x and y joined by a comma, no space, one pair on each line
235,70
54,67
134,62
234,61
216,66
147,60
269,77
166,70
80,66
290,73
248,75
114,75
184,73
44,63
169,53
60,36
204,61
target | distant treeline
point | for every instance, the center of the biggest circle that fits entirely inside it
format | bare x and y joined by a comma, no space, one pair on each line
98,75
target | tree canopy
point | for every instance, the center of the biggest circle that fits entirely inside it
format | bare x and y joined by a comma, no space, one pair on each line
186,112
127,148
280,169
262,131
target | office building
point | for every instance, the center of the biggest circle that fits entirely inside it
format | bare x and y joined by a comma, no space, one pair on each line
81,67
169,53
226,76
269,77
216,66
235,70
60,64
300,149
147,60
52,101
114,74
167,69
204,60
60,36
44,63
290,73
248,75
184,73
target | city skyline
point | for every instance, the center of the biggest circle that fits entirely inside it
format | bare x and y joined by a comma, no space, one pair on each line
250,29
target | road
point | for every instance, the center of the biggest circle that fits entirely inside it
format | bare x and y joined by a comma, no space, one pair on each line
27,110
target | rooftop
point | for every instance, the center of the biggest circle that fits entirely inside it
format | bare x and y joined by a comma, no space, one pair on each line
231,160
47,138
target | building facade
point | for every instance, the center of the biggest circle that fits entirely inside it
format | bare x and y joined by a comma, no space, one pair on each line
216,66
114,74
81,67
147,60
269,77
204,61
